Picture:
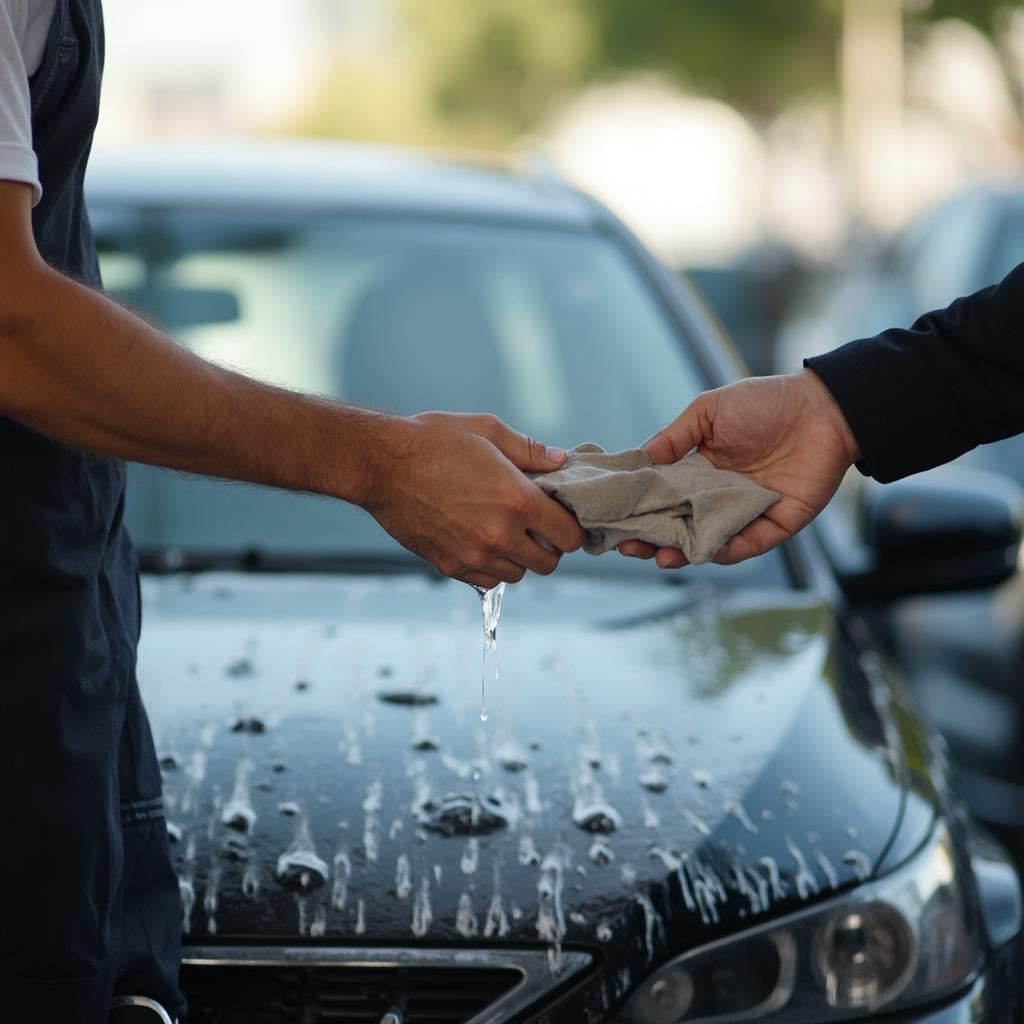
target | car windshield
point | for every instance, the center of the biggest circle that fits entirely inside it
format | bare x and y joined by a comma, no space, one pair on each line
555,330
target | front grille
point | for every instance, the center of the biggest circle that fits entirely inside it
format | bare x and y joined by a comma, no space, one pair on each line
326,994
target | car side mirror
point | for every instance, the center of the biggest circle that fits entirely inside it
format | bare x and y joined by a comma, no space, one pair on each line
946,530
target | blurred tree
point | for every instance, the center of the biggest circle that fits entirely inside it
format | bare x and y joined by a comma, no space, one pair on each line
502,62
755,55
506,61
980,13
485,71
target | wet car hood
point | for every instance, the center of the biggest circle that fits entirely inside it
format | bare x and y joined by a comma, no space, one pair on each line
660,764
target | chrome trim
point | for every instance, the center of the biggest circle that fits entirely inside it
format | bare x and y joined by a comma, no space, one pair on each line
537,977
150,1004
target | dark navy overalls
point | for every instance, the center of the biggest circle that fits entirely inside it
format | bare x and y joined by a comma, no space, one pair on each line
88,898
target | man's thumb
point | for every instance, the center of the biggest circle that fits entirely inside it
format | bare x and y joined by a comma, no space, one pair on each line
683,434
527,454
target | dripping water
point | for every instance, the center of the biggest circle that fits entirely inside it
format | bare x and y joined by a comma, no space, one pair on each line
490,605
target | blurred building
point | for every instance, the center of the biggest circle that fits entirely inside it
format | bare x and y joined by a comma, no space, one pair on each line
230,67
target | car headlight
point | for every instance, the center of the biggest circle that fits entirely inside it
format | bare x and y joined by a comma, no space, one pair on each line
885,945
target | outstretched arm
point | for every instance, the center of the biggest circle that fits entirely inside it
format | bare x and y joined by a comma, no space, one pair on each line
78,368
896,404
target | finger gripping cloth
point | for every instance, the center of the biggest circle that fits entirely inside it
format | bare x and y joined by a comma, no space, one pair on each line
688,504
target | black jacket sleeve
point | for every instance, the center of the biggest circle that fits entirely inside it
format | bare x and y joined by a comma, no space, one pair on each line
917,398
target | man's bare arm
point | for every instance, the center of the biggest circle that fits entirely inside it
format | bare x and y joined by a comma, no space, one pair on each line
78,368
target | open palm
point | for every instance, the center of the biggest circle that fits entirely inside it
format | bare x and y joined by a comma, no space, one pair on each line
785,433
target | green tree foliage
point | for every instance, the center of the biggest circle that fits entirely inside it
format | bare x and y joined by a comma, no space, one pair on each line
754,54
485,71
502,61
509,59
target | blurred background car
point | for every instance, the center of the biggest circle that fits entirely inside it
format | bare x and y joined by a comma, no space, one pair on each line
963,654
700,795
964,244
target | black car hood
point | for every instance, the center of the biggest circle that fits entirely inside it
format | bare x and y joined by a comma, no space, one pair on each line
660,764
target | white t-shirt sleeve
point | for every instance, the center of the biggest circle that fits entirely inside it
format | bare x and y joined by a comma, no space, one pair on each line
17,159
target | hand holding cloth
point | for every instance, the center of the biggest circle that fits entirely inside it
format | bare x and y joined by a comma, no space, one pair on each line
689,504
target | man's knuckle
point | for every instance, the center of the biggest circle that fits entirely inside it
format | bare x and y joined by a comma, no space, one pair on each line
492,538
488,424
519,502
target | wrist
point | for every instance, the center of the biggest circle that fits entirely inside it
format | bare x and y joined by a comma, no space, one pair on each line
825,405
383,442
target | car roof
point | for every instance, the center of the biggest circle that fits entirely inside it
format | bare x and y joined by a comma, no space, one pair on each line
329,175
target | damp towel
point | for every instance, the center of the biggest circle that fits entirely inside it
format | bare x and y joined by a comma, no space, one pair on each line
620,496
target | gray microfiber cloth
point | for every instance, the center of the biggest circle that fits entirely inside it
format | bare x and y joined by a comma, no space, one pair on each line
620,496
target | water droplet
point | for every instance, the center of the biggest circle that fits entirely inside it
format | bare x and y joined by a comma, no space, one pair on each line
239,668
531,791
188,899
403,877
827,869
235,848
736,810
528,853
655,781
806,883
407,698
601,851
470,856
250,882
858,863
596,816
250,725
466,923
702,779
289,808
169,762
422,916
238,812
496,922
511,757
277,766
301,685
426,743
604,932
490,605
653,924
789,788
342,871
173,832
301,871
550,915
462,814
697,822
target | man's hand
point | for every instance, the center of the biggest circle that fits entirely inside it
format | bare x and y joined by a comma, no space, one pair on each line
786,433
450,488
